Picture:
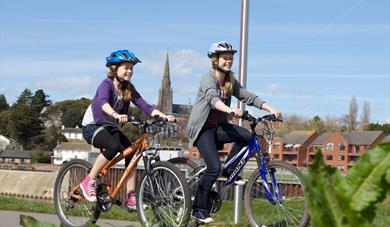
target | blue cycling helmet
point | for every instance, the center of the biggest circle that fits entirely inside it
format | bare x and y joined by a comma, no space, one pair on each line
221,47
120,56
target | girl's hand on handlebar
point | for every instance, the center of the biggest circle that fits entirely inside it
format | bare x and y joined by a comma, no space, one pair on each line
277,114
237,113
170,118
121,118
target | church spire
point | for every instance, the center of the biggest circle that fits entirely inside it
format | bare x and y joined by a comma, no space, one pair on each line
165,99
166,78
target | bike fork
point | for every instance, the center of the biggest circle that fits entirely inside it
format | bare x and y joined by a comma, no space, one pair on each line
149,173
263,172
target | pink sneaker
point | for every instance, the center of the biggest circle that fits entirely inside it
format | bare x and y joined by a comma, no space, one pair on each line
88,186
130,201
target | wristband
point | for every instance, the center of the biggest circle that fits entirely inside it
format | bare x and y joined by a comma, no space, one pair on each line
114,114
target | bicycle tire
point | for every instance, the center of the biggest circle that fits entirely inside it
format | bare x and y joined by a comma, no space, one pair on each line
171,205
73,212
291,210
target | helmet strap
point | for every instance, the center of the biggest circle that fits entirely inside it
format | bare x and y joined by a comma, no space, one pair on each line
122,83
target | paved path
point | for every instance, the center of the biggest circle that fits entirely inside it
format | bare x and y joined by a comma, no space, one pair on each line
12,219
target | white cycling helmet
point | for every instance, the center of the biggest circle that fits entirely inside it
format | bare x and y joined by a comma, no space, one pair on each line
221,47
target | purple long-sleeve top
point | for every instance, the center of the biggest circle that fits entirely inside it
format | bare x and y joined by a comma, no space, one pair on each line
106,94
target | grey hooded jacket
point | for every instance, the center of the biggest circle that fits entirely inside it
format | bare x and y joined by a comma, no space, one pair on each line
208,95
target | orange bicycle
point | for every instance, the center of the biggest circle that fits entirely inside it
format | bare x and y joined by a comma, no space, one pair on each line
162,195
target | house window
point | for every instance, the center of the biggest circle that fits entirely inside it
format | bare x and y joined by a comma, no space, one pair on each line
329,157
357,148
276,146
329,146
340,157
341,146
276,156
341,167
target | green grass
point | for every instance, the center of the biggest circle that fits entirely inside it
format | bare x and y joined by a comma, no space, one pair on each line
38,206
224,217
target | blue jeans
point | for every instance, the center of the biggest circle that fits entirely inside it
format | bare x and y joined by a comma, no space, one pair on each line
207,142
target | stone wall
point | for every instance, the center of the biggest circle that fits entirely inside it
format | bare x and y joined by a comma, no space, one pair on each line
27,184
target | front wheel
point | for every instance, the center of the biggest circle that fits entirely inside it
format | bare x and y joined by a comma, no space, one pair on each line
163,198
71,206
288,207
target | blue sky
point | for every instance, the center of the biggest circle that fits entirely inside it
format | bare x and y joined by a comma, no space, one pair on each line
304,57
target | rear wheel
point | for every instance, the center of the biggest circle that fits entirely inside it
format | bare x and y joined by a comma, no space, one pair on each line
71,206
288,209
164,198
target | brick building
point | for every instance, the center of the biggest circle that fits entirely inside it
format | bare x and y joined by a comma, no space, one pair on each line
292,147
342,150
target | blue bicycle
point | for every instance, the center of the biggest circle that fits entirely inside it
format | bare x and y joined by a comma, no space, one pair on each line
274,193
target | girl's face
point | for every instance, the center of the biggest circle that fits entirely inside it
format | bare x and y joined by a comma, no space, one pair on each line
225,61
125,70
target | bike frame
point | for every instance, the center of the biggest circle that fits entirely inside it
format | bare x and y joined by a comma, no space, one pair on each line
244,154
138,149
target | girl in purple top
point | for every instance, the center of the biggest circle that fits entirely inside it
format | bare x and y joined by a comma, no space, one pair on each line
108,110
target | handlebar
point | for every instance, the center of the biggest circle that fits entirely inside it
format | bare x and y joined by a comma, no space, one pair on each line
145,126
265,118
246,116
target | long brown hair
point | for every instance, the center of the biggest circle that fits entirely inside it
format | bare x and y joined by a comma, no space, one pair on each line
229,78
126,87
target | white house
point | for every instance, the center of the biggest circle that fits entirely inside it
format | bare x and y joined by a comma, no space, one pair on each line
72,134
67,151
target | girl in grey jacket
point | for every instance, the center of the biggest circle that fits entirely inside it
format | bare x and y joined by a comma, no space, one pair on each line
208,126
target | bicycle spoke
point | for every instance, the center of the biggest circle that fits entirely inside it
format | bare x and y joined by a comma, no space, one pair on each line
289,209
171,204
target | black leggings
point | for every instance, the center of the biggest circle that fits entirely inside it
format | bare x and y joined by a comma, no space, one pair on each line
112,141
207,143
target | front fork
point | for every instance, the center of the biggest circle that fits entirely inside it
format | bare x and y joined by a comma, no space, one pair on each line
148,158
273,199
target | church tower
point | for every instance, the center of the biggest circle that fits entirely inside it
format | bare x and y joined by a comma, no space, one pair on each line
165,98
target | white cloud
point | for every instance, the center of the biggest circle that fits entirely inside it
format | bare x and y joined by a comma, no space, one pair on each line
82,86
182,63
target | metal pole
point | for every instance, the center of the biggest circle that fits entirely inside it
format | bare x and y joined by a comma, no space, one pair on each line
238,188
243,63
243,50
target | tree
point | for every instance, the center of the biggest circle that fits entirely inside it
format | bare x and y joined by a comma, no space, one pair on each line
25,124
353,108
365,116
3,103
73,117
69,112
25,99
5,119
317,124
291,123
52,137
26,127
39,101
379,127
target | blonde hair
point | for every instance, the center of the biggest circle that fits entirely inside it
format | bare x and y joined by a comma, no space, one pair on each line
229,78
126,87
